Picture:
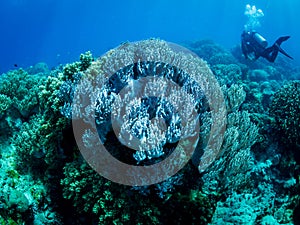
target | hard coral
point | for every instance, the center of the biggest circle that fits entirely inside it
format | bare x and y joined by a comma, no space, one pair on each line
128,65
105,202
76,67
5,103
232,169
285,108
227,74
22,89
36,142
21,196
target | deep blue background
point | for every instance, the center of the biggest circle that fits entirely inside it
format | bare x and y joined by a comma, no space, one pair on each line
57,31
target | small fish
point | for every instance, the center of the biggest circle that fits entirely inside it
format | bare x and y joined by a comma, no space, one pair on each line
15,65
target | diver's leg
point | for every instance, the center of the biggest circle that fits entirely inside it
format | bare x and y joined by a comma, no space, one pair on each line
270,53
278,43
273,55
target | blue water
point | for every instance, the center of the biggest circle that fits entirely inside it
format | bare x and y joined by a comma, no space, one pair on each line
57,31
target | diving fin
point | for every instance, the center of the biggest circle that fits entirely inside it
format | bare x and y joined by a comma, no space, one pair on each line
278,43
284,52
282,39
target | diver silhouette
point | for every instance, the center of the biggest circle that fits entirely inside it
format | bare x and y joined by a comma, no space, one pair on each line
254,46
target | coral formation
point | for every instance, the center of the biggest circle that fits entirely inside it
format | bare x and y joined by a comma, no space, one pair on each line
234,172
21,196
30,108
104,201
175,77
252,179
5,103
227,74
22,89
285,108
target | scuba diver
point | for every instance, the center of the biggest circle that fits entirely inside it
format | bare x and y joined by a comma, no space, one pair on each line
254,46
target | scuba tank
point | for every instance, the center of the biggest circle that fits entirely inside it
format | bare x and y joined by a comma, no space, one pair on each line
260,40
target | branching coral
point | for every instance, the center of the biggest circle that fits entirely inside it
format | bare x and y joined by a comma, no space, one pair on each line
39,137
232,169
79,66
234,97
109,203
135,87
37,140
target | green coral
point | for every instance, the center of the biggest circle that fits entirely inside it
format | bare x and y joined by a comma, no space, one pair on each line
285,108
110,203
234,97
76,67
20,195
50,102
5,103
106,202
193,207
232,170
38,138
18,99
22,89
30,104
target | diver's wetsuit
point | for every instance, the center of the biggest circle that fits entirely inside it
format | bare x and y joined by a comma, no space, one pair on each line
255,46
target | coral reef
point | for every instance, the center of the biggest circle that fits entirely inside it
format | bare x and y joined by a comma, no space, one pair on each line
109,203
34,127
262,161
251,170
39,137
234,97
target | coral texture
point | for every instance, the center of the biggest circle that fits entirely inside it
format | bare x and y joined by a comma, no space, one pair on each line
285,108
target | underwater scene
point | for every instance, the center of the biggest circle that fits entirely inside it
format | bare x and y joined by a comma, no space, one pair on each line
149,112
